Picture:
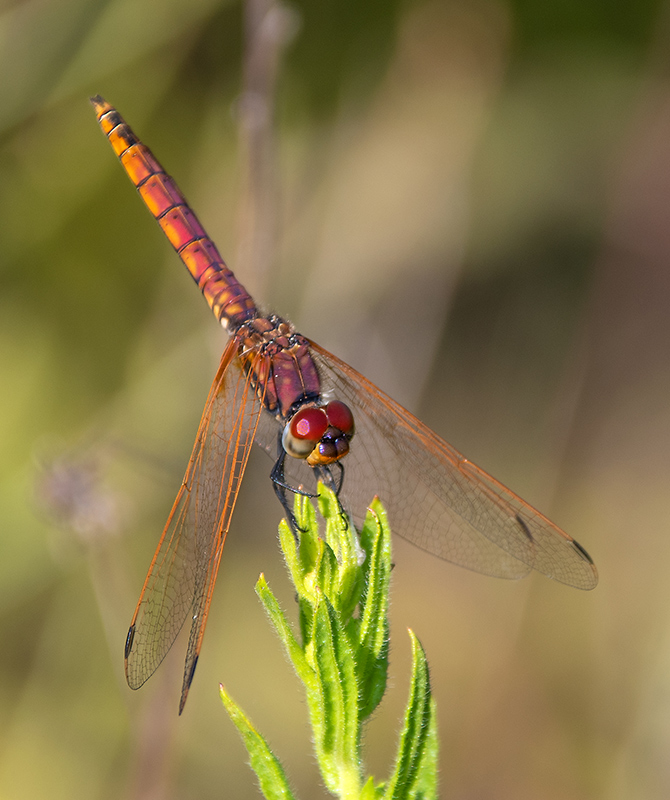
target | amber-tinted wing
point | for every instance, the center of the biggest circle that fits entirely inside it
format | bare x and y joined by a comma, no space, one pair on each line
181,578
436,498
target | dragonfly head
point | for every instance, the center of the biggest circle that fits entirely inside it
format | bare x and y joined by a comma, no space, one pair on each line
319,434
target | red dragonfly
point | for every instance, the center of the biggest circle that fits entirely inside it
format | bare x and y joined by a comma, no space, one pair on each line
303,405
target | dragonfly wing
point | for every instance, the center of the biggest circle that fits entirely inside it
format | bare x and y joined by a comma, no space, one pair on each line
436,498
181,578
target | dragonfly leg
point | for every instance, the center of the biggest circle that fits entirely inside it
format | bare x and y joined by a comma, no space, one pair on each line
277,478
281,488
323,473
334,483
340,481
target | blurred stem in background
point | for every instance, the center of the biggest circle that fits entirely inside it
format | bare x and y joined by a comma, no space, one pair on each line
269,27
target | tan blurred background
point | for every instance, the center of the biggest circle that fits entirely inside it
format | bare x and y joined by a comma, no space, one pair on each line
470,202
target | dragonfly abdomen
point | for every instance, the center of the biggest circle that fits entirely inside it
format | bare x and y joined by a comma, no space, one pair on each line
229,300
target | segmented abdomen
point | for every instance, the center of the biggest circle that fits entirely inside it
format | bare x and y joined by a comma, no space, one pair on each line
229,300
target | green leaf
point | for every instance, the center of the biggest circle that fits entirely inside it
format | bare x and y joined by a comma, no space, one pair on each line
327,572
291,645
270,774
369,533
370,791
309,532
425,785
301,573
334,709
415,775
373,633
340,536
289,548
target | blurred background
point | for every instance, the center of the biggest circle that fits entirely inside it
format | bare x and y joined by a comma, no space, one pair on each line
469,201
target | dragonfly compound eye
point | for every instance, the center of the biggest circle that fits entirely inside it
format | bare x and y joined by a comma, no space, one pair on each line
303,432
334,444
340,417
319,434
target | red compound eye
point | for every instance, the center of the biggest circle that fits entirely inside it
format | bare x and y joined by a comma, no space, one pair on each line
309,423
340,417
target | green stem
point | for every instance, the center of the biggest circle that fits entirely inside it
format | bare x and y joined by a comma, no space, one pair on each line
341,657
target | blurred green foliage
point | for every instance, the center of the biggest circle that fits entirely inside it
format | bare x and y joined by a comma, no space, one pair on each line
471,206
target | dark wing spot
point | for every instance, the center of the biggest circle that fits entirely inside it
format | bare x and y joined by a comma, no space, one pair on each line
129,641
525,529
582,552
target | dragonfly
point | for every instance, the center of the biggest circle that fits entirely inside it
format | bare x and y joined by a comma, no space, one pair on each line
320,420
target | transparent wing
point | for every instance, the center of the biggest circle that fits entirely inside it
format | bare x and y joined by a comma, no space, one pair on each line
436,498
181,578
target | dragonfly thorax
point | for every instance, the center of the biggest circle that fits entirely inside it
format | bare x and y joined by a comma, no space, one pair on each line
279,364
319,434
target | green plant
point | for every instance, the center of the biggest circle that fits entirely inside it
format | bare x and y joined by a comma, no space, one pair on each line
342,657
